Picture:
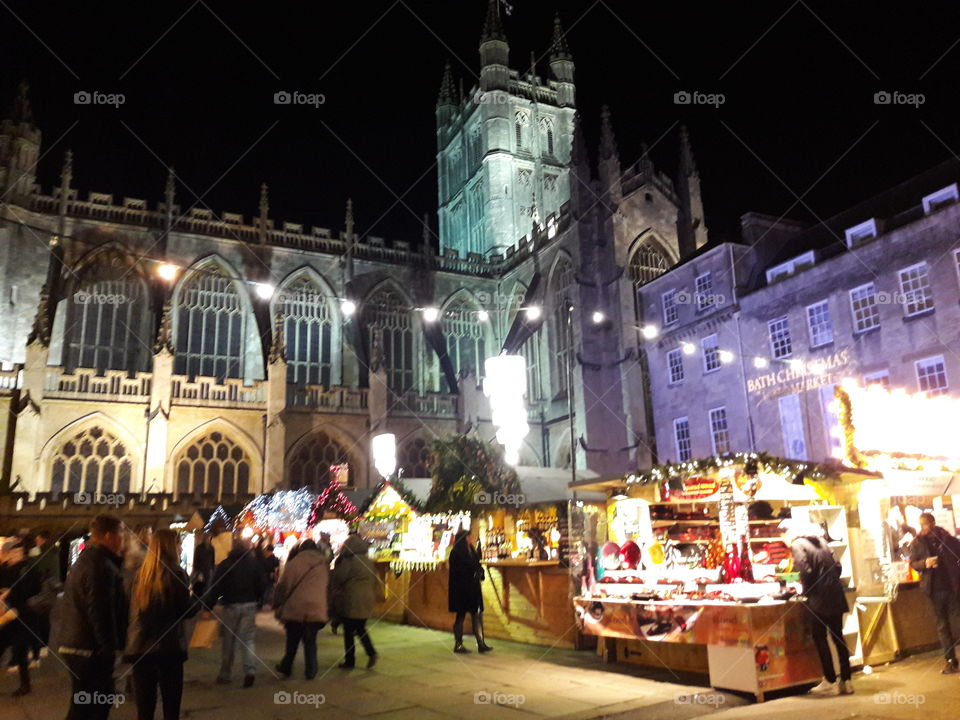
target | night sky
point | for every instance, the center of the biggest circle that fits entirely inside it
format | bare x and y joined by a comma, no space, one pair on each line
199,78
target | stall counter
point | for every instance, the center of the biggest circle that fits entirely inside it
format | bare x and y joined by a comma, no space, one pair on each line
755,648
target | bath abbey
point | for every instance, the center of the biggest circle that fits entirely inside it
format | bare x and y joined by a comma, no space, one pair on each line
159,348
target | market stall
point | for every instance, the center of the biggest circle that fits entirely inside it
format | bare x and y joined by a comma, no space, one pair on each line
695,570
919,460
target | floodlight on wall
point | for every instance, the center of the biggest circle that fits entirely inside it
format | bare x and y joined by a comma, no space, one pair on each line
384,449
505,383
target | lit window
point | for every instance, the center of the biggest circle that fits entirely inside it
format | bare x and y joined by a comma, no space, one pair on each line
307,329
704,288
546,132
671,313
413,458
211,326
387,314
520,122
313,462
213,465
780,344
915,289
719,431
93,461
881,378
466,343
562,285
646,264
711,353
791,266
681,436
863,302
675,366
818,320
932,375
943,196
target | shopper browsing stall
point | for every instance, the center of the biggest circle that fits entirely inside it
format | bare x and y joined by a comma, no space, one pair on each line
935,554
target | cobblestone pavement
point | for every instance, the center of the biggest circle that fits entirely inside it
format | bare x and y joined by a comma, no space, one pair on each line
419,678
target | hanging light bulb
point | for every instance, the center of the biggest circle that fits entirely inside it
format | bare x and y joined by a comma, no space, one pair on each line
430,314
533,312
650,331
167,272
760,363
263,290
688,348
348,307
725,356
483,315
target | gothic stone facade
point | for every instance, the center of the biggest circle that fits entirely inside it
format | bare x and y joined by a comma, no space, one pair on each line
202,385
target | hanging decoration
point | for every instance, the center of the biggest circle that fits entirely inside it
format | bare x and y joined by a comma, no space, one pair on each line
284,511
331,501
754,463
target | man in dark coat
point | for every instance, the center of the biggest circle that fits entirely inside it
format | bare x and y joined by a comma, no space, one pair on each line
93,620
826,605
935,554
18,625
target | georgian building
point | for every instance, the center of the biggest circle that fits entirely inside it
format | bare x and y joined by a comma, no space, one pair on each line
753,337
162,349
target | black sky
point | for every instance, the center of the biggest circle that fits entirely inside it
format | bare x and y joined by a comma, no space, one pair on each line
199,78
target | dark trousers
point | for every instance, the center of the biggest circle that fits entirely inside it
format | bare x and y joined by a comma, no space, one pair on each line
351,627
92,685
305,632
946,608
19,640
155,671
820,627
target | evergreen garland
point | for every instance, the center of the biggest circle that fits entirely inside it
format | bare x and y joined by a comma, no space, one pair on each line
753,463
463,466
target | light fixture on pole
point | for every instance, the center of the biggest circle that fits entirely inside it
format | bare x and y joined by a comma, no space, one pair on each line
384,449
506,384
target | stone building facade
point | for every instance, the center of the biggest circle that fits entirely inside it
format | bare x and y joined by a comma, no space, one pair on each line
754,336
163,349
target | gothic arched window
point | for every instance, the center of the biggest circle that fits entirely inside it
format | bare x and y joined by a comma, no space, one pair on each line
213,464
562,287
647,263
476,146
546,131
413,458
307,332
108,319
387,314
466,339
310,464
92,461
210,326
520,122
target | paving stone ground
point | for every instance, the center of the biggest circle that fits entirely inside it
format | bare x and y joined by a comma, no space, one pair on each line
418,678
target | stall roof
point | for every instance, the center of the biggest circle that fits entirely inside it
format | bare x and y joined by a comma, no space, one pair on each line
543,485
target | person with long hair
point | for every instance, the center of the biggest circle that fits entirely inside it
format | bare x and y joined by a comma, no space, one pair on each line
464,594
160,601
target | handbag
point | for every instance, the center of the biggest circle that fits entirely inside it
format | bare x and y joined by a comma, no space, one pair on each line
204,633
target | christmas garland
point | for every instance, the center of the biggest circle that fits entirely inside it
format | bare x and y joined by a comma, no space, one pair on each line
845,417
753,463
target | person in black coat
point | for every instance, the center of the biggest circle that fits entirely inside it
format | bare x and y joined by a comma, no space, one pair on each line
160,601
92,624
18,623
464,591
935,554
826,605
203,564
